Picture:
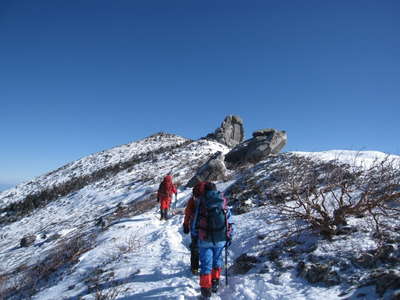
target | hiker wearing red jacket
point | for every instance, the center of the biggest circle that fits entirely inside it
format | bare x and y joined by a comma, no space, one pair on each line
164,195
198,191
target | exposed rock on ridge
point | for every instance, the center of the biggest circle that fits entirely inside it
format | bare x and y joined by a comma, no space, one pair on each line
264,143
213,170
230,133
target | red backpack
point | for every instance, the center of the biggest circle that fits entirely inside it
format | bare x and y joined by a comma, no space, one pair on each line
166,188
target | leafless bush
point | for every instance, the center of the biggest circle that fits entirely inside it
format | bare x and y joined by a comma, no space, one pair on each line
104,292
126,211
3,285
109,294
325,194
25,280
130,244
103,285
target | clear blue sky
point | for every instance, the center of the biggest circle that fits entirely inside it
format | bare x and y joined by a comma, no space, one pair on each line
77,77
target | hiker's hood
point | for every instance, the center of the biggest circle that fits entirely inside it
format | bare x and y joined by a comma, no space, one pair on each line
168,179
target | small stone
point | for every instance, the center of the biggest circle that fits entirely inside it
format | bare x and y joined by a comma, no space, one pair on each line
27,240
261,236
366,260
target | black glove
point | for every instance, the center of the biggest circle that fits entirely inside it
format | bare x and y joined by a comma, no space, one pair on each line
158,199
186,229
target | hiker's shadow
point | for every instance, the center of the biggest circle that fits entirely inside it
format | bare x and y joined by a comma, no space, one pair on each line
137,277
155,277
156,294
130,221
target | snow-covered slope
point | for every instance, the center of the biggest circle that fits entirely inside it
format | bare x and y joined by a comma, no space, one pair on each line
137,256
363,159
91,164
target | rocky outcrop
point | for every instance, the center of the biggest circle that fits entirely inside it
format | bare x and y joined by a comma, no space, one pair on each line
27,240
384,280
264,143
318,273
243,264
214,169
230,133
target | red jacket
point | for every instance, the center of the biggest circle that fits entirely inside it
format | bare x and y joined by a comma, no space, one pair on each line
198,190
165,192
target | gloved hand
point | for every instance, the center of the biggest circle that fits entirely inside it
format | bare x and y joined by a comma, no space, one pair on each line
158,199
186,229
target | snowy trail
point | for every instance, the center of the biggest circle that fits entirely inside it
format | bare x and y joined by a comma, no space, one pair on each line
164,273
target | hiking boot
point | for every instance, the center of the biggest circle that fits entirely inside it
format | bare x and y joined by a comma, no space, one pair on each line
205,293
215,285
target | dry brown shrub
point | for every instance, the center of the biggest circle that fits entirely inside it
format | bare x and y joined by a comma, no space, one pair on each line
325,194
25,279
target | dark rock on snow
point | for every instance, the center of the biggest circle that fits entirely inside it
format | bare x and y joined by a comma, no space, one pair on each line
230,133
244,263
213,170
264,143
384,280
318,273
366,260
27,240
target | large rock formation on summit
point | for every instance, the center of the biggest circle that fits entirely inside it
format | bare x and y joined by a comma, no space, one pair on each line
213,170
264,143
230,133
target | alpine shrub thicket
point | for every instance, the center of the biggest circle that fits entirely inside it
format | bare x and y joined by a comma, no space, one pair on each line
321,193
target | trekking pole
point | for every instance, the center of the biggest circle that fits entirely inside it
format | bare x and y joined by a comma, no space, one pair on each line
226,264
176,200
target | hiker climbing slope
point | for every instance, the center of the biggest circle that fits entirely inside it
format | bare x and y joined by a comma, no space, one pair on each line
165,193
212,227
198,191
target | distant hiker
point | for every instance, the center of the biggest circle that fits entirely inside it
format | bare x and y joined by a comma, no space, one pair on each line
198,191
164,195
211,225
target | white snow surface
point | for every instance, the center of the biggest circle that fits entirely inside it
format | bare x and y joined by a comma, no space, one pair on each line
157,265
363,159
88,165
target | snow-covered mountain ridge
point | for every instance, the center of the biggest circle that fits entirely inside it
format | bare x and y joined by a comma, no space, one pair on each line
105,240
90,164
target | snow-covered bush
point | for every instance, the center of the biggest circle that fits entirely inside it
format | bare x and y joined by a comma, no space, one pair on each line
324,194
321,193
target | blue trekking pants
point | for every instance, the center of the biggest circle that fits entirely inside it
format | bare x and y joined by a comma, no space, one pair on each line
210,258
